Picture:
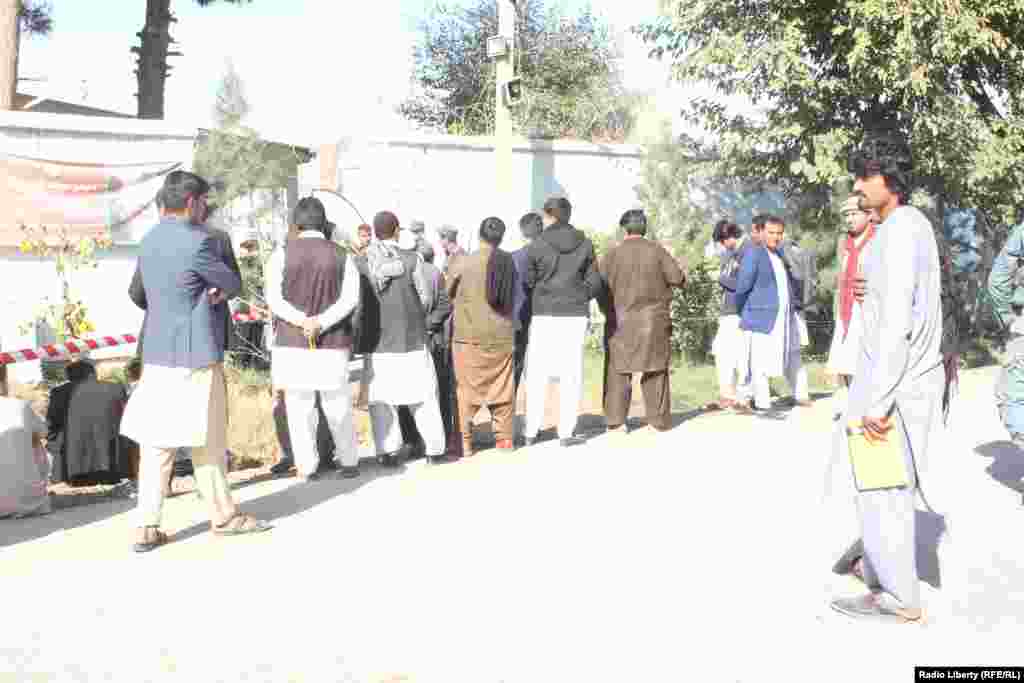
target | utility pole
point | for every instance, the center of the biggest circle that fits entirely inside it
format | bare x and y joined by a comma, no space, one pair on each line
504,72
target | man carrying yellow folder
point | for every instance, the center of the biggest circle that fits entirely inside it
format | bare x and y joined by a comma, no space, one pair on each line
898,384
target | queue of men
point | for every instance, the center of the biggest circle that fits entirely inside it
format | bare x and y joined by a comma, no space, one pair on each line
464,338
437,346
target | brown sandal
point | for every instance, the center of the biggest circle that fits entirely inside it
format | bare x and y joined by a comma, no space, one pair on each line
152,538
241,524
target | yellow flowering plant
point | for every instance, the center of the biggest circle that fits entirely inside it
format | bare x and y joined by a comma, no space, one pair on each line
68,317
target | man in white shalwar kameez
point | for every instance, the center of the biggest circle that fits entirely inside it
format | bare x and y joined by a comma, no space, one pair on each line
899,380
315,275
401,370
767,293
730,342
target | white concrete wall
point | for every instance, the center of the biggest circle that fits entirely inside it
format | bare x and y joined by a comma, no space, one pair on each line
447,179
26,280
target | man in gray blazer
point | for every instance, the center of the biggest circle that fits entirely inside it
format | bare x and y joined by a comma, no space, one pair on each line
181,400
137,293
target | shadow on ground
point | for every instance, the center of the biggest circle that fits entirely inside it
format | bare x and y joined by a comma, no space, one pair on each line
14,531
929,531
299,497
1007,466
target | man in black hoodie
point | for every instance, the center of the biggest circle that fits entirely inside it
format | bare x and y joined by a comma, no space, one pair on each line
562,277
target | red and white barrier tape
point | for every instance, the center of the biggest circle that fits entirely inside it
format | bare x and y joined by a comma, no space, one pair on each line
64,349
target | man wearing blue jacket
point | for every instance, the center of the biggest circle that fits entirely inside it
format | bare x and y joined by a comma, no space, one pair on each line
729,343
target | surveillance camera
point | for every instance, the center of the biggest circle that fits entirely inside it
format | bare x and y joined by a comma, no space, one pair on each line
513,90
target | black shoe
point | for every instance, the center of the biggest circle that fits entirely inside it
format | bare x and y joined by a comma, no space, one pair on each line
572,441
328,465
283,466
396,459
349,472
436,459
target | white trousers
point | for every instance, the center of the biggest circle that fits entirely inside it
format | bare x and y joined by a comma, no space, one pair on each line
303,419
555,350
387,435
209,463
796,378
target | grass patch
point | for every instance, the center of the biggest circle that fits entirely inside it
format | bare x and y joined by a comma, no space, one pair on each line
692,385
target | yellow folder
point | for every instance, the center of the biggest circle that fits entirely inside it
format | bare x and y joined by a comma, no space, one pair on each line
876,465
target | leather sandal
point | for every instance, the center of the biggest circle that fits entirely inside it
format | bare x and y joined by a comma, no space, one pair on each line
241,524
152,538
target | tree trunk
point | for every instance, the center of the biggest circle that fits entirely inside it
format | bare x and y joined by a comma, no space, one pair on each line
153,51
8,52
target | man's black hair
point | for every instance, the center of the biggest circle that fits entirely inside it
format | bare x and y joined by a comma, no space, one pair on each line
776,220
179,186
531,225
309,214
758,221
634,222
79,370
385,225
725,230
888,155
558,208
492,231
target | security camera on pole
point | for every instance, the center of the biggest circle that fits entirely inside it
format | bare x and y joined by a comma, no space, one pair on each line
508,90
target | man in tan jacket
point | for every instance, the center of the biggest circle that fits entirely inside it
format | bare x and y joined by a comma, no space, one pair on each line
482,287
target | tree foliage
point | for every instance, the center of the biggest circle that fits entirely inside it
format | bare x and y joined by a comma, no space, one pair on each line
153,51
35,18
567,66
947,74
234,155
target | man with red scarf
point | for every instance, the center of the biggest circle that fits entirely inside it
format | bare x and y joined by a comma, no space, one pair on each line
842,355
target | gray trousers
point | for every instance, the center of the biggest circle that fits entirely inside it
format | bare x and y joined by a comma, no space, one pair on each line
887,518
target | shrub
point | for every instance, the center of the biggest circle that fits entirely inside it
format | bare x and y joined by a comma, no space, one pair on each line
695,310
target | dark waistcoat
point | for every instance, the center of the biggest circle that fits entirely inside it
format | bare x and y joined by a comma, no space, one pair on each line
402,318
313,274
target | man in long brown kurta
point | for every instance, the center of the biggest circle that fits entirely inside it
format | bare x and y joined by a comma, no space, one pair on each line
484,335
640,275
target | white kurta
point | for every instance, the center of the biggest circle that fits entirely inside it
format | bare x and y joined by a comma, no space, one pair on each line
844,352
769,354
170,407
401,379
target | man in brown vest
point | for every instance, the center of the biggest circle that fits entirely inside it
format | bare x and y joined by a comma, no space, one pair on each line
313,337
482,285
640,275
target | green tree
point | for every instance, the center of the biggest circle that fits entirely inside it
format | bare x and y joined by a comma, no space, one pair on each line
249,175
947,75
567,66
153,51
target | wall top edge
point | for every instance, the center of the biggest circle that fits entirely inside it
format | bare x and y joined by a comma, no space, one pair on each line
486,143
72,123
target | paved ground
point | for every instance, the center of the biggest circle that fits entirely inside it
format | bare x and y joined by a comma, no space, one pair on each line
699,555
